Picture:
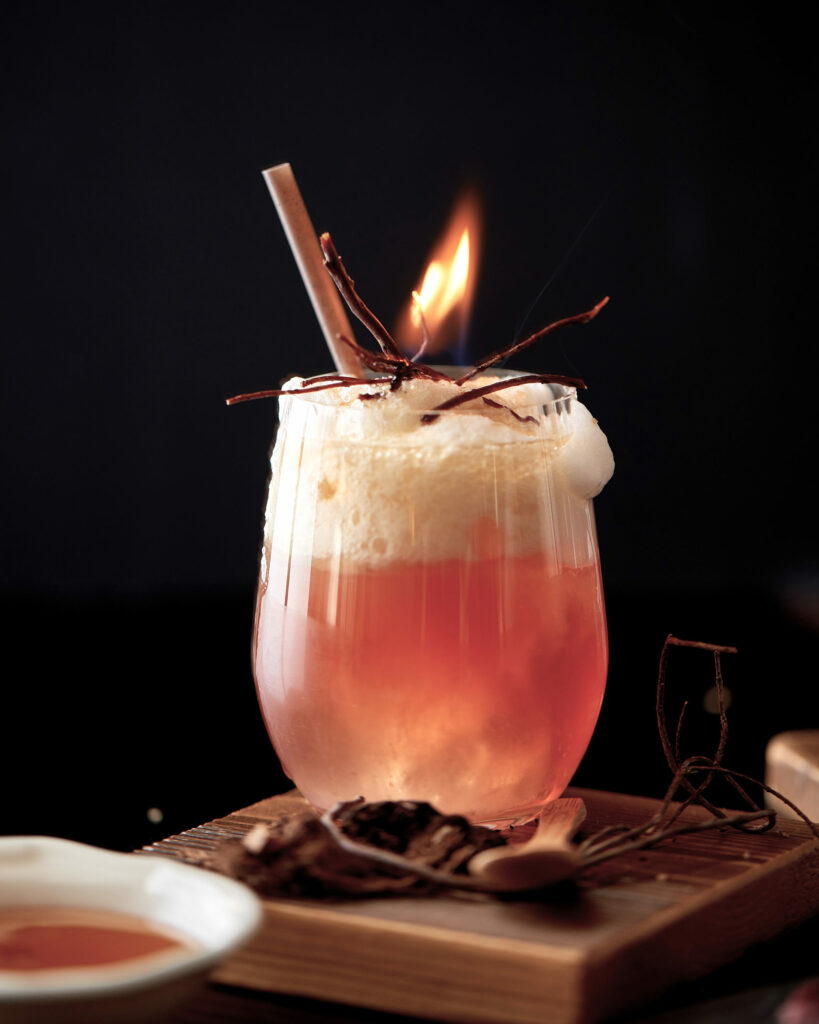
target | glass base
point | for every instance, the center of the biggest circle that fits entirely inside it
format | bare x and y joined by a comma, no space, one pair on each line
514,818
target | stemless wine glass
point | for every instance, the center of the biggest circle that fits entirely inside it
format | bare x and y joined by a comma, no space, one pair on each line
430,621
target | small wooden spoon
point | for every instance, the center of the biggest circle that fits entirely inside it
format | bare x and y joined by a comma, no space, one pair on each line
547,858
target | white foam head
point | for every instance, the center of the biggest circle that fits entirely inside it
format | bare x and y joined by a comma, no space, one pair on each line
375,480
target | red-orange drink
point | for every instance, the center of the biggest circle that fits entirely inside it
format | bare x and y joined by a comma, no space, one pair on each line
430,621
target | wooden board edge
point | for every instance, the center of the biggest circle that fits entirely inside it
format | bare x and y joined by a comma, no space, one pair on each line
681,945
423,973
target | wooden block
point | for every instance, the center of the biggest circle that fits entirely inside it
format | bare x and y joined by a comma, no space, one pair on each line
638,925
792,768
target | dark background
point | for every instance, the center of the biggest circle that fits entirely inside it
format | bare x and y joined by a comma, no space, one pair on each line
661,153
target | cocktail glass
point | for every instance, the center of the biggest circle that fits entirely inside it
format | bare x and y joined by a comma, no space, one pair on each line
430,621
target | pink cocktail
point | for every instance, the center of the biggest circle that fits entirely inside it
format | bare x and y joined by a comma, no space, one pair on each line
430,621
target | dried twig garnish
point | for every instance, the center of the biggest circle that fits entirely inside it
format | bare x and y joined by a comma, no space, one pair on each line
513,349
337,381
616,840
398,367
346,285
501,385
672,756
499,405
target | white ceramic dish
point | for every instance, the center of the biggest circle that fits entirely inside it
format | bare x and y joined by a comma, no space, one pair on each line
216,914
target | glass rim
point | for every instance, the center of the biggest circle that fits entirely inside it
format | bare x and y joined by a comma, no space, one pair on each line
567,392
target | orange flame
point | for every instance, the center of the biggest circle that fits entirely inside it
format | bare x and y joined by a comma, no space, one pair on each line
439,312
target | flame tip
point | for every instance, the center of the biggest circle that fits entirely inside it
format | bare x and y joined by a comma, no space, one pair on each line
447,286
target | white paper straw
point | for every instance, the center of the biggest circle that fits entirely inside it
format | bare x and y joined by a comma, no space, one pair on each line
301,235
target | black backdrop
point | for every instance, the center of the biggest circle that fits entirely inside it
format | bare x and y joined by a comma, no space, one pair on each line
659,153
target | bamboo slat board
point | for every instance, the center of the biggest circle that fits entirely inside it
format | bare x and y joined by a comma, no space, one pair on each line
640,924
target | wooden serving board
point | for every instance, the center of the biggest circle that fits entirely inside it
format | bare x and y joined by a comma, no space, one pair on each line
639,924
